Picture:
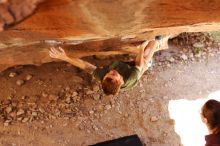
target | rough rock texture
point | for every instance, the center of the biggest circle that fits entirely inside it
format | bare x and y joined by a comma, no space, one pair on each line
100,27
13,11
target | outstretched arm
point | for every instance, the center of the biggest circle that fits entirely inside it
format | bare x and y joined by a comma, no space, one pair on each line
59,53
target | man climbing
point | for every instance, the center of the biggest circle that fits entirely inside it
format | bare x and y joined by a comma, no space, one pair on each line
117,75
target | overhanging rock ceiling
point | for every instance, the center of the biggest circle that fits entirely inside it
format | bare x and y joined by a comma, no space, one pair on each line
103,27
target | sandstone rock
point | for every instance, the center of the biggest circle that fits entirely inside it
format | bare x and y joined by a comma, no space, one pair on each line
81,127
6,123
198,55
198,45
76,99
100,108
28,77
44,95
95,128
9,97
126,115
91,112
20,82
68,100
74,94
95,88
171,59
184,57
8,109
26,119
88,92
57,112
34,114
191,55
13,115
154,119
19,118
16,10
108,107
20,112
3,1
39,33
24,97
96,96
53,97
168,65
12,74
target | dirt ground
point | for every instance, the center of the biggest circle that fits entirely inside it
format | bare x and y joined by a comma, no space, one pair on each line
56,104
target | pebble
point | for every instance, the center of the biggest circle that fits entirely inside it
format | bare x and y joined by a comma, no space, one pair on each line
57,113
95,88
20,112
34,114
20,82
168,65
100,108
153,119
91,112
12,74
81,127
68,100
53,97
171,59
44,94
20,118
89,92
184,57
96,96
95,128
13,115
191,55
74,93
108,107
198,55
9,97
198,45
41,110
8,109
25,119
24,97
28,77
211,54
6,123
76,98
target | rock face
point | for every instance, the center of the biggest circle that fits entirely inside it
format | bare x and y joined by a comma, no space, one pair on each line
13,11
95,27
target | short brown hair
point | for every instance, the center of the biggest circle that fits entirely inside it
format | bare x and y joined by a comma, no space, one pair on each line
111,86
211,111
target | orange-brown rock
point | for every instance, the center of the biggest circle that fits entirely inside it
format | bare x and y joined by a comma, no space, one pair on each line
13,11
88,27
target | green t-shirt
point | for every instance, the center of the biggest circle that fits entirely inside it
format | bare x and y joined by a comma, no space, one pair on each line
130,73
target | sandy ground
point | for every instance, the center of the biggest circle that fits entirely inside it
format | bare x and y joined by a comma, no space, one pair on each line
59,105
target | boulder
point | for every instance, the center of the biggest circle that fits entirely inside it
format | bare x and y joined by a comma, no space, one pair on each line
94,27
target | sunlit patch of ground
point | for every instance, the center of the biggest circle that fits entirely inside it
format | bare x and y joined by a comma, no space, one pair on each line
188,124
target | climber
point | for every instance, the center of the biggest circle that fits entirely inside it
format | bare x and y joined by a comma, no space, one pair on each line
117,75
